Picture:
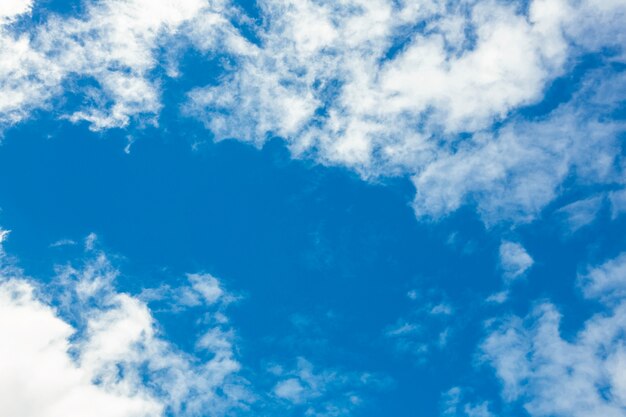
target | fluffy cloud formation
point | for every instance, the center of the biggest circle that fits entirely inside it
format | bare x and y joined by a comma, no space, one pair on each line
431,90
38,375
426,329
552,375
607,281
100,352
102,61
9,10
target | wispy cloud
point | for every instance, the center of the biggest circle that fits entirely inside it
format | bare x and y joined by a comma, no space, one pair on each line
383,87
514,260
91,350
552,375
78,346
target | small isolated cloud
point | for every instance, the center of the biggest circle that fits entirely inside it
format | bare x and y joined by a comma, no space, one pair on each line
554,376
290,389
581,213
514,260
199,290
324,392
62,242
453,404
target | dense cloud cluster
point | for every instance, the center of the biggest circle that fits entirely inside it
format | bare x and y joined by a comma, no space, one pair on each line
431,90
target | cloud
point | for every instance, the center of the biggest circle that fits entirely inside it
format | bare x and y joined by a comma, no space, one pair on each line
320,392
82,348
552,375
10,10
618,202
102,62
453,405
77,346
438,92
607,281
581,213
426,329
514,260
39,377
368,90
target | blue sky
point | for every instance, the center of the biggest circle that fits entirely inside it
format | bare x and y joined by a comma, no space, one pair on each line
312,208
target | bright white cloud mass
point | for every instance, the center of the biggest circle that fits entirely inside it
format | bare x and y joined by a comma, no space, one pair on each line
426,89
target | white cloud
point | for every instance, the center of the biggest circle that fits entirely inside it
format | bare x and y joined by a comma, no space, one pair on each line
606,281
352,83
514,260
325,80
39,377
581,213
100,352
77,346
553,375
320,392
290,389
618,202
454,406
427,328
11,9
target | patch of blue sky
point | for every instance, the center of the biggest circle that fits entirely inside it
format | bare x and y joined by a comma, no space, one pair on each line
295,239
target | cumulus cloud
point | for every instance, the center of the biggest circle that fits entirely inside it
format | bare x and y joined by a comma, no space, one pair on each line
553,375
606,281
80,347
430,90
354,83
105,58
9,10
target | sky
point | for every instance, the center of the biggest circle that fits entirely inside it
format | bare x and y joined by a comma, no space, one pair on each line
234,208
